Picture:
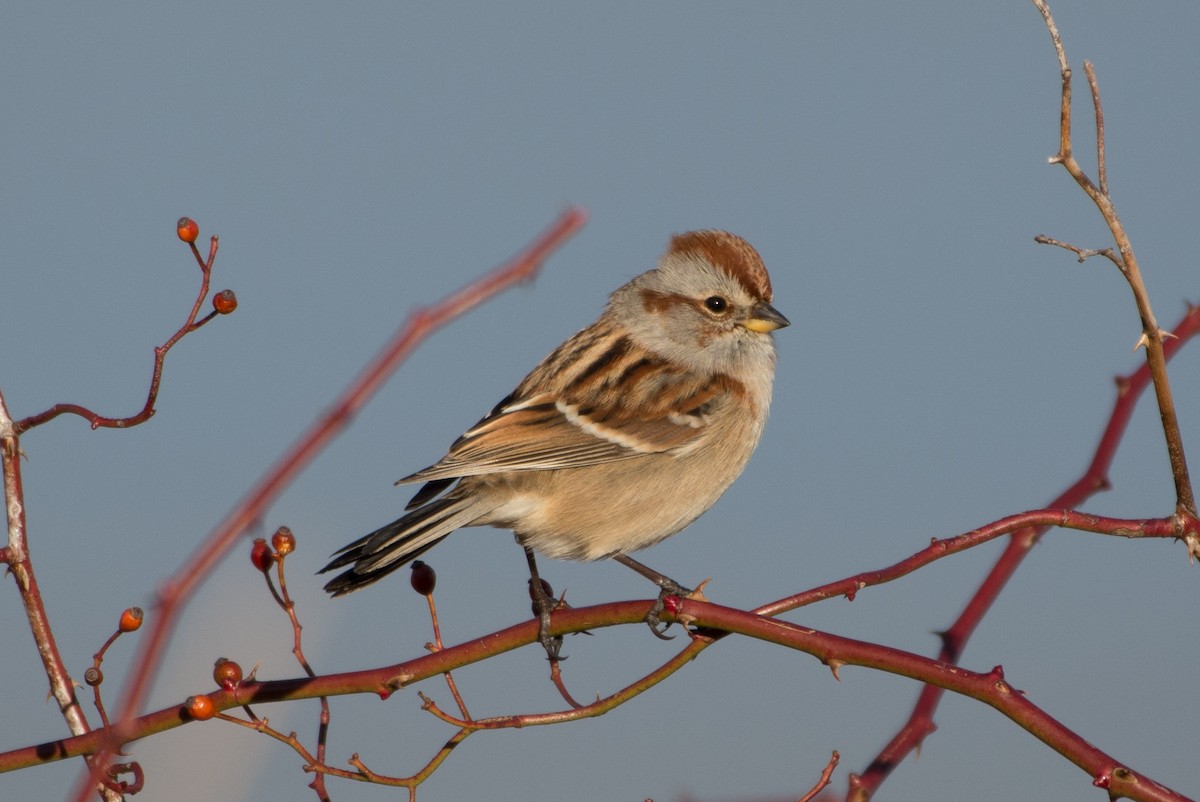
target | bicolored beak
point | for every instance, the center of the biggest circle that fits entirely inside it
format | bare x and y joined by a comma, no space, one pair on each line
764,318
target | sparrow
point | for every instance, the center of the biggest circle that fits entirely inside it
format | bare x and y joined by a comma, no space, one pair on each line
619,438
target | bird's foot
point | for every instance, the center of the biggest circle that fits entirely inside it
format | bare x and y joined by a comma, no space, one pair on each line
670,588
544,604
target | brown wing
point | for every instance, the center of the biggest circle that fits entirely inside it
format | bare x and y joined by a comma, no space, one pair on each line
638,404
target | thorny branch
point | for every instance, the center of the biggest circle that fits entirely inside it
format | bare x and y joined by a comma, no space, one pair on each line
836,652
831,649
954,639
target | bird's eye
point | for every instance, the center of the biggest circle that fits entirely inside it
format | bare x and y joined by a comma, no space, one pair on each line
715,303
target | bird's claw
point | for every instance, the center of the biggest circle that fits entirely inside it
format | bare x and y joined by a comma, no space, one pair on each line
552,644
661,634
669,588
543,605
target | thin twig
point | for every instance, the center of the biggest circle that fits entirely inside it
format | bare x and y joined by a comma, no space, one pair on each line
1083,253
823,781
160,355
1101,165
437,646
289,607
557,678
1152,334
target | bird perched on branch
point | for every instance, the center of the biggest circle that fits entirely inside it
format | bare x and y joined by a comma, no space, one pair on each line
621,437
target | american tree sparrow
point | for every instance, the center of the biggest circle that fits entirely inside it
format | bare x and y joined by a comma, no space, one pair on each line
621,437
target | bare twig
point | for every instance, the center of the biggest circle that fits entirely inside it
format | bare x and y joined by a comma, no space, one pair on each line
1083,253
360,773
284,543
557,678
1152,335
823,781
1101,164
175,593
438,646
160,354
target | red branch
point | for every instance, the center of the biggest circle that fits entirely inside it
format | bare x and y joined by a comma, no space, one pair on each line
175,593
991,688
954,639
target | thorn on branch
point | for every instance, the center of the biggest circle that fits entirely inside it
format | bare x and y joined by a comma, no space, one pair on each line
1193,546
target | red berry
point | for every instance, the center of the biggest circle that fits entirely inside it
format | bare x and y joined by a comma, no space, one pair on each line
224,302
547,591
200,707
131,619
261,555
227,673
283,541
423,578
187,229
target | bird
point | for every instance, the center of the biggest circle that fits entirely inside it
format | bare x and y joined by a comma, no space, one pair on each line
619,438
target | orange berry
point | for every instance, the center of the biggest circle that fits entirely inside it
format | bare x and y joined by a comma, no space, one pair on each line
131,619
187,229
261,555
224,302
283,541
423,578
227,673
200,707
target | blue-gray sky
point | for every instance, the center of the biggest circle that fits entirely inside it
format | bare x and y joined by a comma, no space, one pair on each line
942,370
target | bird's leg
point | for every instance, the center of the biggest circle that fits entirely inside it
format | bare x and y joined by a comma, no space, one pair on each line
543,605
667,587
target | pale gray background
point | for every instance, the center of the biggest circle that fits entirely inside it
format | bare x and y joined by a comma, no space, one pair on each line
889,161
